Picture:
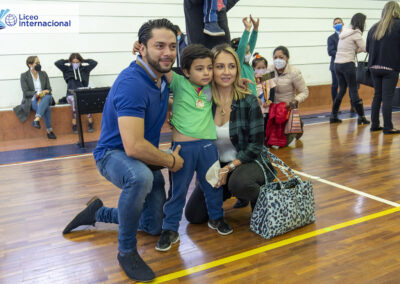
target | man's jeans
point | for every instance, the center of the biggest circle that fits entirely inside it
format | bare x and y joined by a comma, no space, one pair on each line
141,202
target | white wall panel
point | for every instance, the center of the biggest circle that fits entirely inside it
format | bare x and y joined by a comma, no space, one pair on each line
109,28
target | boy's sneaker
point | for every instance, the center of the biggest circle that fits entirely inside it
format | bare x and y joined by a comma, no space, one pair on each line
167,238
74,129
221,226
134,267
90,127
213,29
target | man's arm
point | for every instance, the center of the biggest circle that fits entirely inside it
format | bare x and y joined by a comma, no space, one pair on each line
331,46
136,146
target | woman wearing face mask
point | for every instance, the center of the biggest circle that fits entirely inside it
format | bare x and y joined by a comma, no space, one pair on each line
350,43
240,137
76,73
289,81
245,49
36,90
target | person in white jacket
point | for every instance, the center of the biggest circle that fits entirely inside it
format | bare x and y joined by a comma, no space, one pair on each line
350,43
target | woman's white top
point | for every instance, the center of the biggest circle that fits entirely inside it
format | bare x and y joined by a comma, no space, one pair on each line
36,84
227,152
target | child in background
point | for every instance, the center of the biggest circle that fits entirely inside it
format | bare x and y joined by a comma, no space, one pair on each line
194,130
245,49
210,10
265,86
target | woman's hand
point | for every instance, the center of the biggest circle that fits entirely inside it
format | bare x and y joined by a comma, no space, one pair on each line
222,176
247,24
255,23
136,47
244,83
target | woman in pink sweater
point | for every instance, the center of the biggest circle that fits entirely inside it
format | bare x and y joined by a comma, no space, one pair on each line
350,43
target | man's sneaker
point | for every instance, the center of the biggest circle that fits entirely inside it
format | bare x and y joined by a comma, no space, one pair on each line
134,266
221,226
74,129
86,217
90,127
213,29
167,238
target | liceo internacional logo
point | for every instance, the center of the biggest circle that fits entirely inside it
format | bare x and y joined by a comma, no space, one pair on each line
40,18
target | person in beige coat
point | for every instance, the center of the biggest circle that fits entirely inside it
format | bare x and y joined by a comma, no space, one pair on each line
290,85
350,43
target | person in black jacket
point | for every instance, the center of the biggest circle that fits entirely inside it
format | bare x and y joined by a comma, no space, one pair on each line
333,41
76,72
383,46
195,24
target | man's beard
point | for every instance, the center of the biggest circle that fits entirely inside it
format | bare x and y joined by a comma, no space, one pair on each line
156,65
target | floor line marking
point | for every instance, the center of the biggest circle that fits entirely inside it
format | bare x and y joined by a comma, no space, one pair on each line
239,256
55,158
349,189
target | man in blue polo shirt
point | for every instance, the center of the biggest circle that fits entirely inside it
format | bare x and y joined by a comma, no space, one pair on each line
133,115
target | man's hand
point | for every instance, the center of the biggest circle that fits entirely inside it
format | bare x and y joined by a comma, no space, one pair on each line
136,47
247,24
178,161
255,23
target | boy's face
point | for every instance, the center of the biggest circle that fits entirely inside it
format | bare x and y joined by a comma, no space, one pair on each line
201,71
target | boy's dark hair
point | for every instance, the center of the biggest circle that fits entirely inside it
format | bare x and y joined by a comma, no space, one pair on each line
284,50
193,52
235,43
358,22
75,56
337,19
145,31
258,58
30,60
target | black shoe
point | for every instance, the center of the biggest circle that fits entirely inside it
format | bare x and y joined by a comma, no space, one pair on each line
363,120
74,129
379,128
86,217
335,120
135,267
221,226
51,135
90,127
36,124
240,203
393,131
167,238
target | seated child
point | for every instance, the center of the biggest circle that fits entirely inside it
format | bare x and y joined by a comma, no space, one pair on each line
194,130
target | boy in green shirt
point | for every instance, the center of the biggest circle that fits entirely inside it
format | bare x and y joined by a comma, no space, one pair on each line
194,130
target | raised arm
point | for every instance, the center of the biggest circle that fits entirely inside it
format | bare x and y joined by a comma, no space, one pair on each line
61,65
241,51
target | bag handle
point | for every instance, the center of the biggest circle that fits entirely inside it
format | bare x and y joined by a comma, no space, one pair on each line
365,59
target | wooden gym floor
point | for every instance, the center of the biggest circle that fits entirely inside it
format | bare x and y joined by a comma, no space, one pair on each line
355,238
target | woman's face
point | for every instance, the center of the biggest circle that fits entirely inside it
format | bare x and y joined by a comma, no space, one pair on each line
36,62
75,60
225,69
279,54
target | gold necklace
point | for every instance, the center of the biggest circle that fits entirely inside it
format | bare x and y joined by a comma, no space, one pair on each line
223,112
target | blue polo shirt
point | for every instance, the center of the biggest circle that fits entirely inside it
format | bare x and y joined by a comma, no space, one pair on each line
134,93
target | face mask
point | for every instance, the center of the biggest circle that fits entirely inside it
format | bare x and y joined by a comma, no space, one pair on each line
279,63
178,37
338,27
260,72
247,58
38,67
75,65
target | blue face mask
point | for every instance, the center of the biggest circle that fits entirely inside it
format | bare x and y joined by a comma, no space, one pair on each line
338,27
178,37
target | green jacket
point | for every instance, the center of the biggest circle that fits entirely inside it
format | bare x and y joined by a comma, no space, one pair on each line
247,70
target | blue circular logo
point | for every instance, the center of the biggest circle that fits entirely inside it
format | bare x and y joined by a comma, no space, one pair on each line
10,20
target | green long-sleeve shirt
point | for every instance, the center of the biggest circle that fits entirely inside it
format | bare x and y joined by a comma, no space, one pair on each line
247,70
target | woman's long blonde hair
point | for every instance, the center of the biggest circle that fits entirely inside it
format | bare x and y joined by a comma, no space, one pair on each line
390,11
238,92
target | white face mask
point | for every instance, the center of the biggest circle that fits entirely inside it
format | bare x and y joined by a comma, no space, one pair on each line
279,63
260,72
247,58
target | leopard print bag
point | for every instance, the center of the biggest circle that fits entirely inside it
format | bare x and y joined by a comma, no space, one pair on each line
283,206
